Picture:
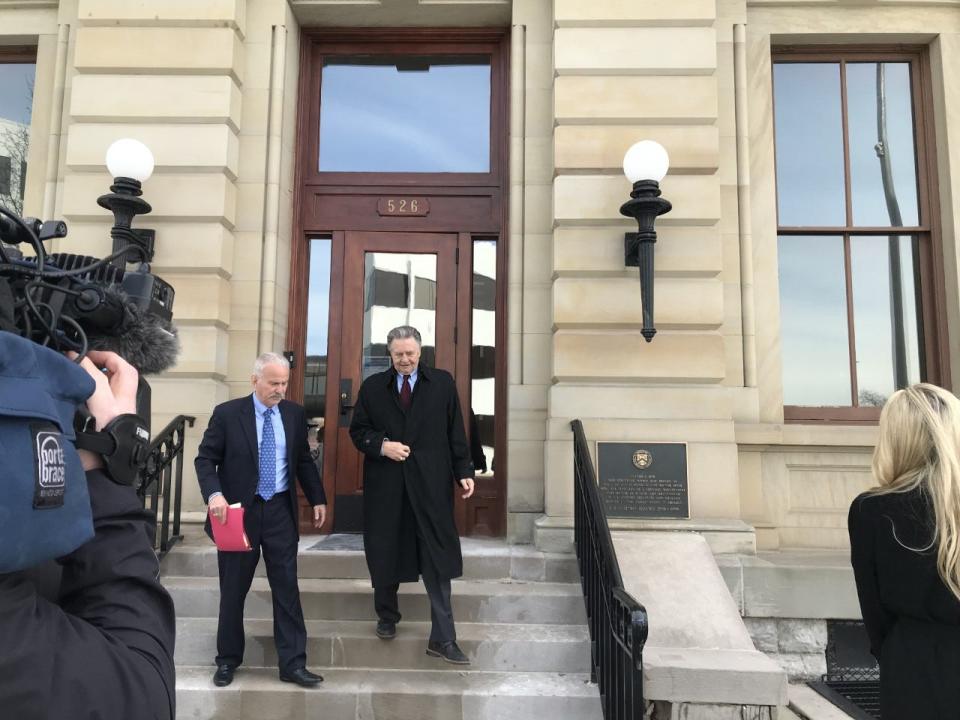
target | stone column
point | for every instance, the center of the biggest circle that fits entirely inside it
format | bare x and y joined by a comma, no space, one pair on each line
626,72
170,73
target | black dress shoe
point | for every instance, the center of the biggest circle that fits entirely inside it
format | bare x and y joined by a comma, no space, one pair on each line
386,630
302,677
224,675
449,651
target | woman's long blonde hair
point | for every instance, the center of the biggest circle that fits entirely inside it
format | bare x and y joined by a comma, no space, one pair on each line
919,446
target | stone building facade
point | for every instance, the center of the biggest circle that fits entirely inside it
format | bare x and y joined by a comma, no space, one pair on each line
216,90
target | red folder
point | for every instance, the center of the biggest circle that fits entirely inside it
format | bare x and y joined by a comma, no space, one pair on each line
230,536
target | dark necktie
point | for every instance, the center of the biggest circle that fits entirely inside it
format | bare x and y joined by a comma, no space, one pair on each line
267,486
406,394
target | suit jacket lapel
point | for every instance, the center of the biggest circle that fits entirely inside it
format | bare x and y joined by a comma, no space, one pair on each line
248,421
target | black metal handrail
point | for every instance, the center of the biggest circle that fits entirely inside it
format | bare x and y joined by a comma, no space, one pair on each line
162,477
618,623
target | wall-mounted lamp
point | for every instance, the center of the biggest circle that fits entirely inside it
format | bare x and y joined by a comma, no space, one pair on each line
130,162
645,164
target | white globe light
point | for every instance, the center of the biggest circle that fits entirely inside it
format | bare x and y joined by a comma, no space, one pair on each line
646,160
130,158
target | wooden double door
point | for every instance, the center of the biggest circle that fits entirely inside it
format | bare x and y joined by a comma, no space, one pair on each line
444,284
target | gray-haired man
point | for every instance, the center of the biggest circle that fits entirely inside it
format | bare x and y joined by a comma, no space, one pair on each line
251,452
408,424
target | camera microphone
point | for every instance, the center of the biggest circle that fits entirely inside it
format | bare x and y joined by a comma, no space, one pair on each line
145,340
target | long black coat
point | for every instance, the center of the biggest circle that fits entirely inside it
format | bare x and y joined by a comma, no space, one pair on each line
401,497
912,618
228,460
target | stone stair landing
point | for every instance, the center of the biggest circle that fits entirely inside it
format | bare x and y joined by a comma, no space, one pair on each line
520,619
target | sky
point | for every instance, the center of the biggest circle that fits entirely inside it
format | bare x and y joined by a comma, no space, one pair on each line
374,118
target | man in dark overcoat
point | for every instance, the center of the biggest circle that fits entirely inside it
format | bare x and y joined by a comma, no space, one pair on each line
407,423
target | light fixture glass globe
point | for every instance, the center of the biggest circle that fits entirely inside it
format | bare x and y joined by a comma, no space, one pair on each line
130,158
646,160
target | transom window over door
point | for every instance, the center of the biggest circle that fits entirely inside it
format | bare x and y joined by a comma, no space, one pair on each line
405,113
859,294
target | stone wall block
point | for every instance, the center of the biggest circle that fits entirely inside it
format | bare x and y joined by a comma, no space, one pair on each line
692,148
802,636
209,13
198,197
176,148
687,250
148,98
615,302
687,99
626,356
580,199
649,51
157,49
763,632
573,13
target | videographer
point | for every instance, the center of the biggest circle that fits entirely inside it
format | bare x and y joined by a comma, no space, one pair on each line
90,635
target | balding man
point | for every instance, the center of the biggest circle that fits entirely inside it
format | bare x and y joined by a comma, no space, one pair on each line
251,452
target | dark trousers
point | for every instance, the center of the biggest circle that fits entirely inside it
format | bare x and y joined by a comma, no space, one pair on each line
438,590
270,526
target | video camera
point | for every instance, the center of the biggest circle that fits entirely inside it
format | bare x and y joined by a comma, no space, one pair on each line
77,302
49,304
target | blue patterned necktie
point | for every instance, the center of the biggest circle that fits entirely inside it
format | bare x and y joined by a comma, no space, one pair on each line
267,486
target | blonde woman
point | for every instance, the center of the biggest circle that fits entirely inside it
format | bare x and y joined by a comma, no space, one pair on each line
905,551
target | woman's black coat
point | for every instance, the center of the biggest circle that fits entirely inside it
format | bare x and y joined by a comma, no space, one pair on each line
400,498
912,618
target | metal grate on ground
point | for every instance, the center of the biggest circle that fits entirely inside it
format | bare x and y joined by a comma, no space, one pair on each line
852,682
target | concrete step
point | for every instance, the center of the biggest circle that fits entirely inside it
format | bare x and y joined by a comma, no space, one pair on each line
352,599
388,694
482,560
353,644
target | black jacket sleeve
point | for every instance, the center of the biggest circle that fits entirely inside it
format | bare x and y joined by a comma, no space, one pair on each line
367,438
210,455
459,449
863,558
104,647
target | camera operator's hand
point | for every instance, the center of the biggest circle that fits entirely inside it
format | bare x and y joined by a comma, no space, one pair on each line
116,393
218,508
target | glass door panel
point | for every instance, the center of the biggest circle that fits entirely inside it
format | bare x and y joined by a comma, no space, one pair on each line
399,289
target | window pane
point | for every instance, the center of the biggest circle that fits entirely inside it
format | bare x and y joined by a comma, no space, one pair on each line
405,114
884,298
809,144
318,314
483,356
874,202
413,274
813,321
16,101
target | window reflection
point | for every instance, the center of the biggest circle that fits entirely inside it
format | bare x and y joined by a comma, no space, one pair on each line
399,289
483,357
874,203
405,114
318,314
16,101
813,321
809,144
884,299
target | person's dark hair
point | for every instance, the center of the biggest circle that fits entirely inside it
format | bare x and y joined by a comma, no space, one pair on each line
402,332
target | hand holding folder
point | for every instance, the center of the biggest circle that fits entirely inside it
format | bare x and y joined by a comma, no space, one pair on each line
230,536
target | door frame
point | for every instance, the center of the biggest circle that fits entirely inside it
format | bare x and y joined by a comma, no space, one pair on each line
473,205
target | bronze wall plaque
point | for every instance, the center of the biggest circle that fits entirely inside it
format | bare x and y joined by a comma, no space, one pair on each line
643,480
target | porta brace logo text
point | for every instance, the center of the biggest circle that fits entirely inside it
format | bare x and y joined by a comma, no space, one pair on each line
50,461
